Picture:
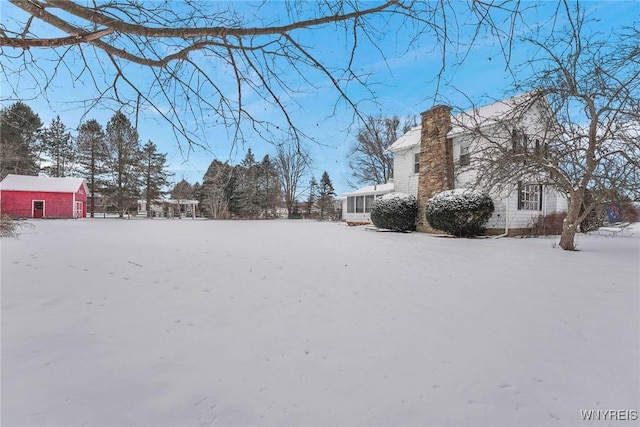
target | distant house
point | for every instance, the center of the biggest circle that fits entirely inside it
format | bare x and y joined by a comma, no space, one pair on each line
356,206
43,197
438,155
169,208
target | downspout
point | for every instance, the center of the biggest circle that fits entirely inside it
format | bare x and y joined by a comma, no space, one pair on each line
506,220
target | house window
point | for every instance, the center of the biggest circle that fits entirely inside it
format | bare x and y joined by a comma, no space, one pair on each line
465,156
529,197
519,141
416,163
351,204
368,202
360,204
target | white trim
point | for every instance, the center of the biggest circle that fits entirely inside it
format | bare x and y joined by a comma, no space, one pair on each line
33,207
75,210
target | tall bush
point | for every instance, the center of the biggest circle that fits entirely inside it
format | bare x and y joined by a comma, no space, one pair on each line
395,211
460,212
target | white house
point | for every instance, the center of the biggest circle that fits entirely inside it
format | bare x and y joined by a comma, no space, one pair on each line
438,155
169,208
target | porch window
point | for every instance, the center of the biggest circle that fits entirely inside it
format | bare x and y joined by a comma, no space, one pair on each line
351,204
360,204
529,197
368,202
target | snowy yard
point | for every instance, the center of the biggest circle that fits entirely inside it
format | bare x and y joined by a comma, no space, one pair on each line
197,323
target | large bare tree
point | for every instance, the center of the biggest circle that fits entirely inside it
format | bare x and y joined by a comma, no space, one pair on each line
292,165
369,160
201,64
585,93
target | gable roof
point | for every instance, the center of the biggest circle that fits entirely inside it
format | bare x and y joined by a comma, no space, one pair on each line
45,184
477,117
408,140
489,114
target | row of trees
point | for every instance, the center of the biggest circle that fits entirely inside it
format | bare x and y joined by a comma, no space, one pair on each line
253,189
117,167
111,159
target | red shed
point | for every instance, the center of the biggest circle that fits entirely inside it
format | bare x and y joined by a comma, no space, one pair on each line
43,197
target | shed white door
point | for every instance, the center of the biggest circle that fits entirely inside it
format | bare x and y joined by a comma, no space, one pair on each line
79,210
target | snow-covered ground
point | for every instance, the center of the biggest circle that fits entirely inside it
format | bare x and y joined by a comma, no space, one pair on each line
111,322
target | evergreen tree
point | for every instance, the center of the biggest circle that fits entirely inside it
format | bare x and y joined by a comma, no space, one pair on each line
20,129
58,148
325,194
123,162
154,172
92,156
295,211
217,193
248,187
183,190
268,185
311,199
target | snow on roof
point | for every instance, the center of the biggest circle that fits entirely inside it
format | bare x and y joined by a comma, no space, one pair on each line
46,184
373,189
477,117
486,116
406,141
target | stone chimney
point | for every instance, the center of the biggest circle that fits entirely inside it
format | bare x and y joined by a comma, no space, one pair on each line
436,159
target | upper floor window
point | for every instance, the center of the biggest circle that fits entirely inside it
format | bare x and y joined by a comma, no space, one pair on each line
465,155
416,163
519,141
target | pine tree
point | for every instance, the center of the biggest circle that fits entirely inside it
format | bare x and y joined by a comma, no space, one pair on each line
311,199
325,194
268,185
58,148
20,130
123,162
217,192
92,156
248,187
154,172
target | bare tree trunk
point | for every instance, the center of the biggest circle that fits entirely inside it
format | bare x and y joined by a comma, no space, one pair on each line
570,225
567,238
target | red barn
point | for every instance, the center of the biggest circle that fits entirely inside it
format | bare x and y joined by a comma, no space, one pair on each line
43,197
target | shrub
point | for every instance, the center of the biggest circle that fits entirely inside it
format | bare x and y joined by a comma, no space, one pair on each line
295,213
548,225
460,212
395,211
9,227
630,212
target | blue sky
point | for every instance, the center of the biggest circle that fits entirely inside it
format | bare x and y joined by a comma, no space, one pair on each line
404,83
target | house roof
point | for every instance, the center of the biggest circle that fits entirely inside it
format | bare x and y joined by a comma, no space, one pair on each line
477,117
45,184
410,139
373,189
488,115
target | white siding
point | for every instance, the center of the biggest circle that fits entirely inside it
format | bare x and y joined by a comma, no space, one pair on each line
404,179
552,201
